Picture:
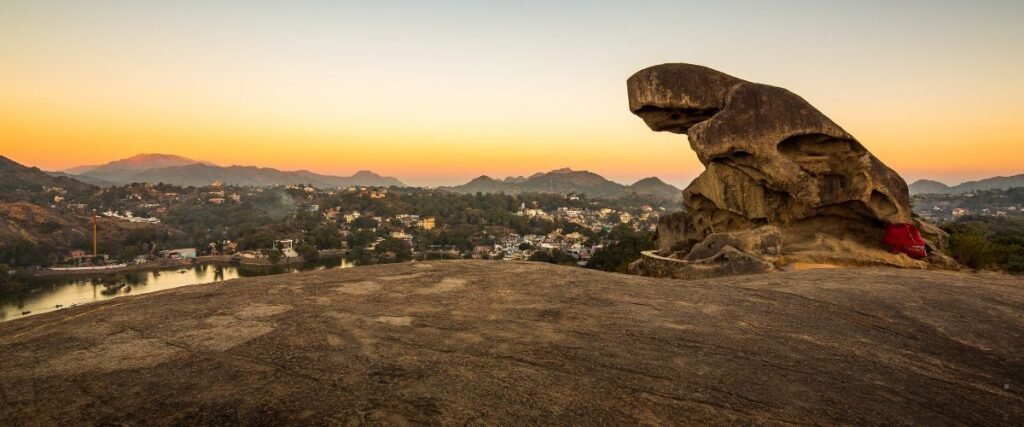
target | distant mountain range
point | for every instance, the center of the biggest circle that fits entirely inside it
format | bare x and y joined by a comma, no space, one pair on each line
171,169
177,170
926,186
565,181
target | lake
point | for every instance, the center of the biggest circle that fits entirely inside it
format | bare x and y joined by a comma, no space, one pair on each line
45,294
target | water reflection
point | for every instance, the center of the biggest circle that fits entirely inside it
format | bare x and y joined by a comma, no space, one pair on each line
45,295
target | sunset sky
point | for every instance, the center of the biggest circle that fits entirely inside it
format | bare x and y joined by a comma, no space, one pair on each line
437,92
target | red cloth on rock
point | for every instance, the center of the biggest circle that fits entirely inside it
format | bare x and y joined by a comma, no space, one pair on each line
905,238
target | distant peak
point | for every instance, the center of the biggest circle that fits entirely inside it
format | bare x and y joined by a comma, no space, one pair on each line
931,181
650,180
160,156
143,161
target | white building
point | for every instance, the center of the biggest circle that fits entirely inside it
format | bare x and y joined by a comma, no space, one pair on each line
182,253
287,247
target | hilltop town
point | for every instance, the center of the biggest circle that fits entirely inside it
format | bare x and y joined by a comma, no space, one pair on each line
944,207
147,223
47,223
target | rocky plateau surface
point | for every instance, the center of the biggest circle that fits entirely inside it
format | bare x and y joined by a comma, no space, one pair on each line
483,342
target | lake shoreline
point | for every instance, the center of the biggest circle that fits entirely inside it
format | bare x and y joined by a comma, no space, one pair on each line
29,296
165,264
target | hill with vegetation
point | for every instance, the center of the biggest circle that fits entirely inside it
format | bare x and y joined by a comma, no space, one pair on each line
83,178
460,342
29,184
656,187
25,228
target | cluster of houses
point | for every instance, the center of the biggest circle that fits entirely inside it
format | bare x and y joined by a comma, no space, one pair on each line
597,219
127,216
940,214
78,257
182,253
58,193
514,247
521,247
510,246
1006,211
950,207
149,198
216,194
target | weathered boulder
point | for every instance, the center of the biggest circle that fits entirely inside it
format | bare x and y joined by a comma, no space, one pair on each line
770,158
671,234
719,254
764,242
728,261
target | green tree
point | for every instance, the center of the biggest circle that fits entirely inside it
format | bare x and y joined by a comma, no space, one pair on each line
400,248
553,257
618,255
970,245
988,242
325,237
274,255
308,252
361,256
361,238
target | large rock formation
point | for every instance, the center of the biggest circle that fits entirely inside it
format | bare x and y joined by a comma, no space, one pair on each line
771,159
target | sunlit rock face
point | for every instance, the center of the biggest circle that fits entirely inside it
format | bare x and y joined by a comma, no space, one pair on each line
771,158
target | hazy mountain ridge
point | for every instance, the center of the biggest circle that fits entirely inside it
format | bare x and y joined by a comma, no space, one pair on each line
177,170
119,170
565,181
927,186
99,182
199,175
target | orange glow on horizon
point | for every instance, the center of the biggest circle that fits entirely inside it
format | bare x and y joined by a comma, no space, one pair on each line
441,94
56,136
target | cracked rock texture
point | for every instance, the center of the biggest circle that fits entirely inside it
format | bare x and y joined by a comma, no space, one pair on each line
472,342
771,158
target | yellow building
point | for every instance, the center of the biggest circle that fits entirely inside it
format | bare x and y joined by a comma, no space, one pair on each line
427,223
